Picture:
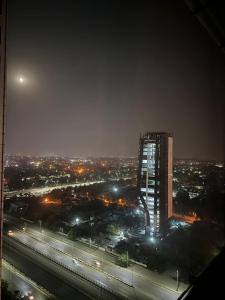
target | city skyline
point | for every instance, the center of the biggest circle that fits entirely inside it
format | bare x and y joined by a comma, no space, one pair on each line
90,84
107,157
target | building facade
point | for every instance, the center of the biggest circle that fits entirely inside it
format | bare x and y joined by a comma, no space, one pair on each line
155,178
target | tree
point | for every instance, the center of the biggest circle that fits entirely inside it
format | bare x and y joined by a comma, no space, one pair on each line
182,201
72,234
123,260
113,229
121,246
156,263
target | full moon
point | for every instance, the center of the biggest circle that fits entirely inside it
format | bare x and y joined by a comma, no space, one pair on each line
21,80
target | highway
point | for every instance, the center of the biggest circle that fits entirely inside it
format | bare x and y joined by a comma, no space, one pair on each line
43,272
47,189
129,284
18,281
89,274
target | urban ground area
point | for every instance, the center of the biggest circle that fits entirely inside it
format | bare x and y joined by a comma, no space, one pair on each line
83,216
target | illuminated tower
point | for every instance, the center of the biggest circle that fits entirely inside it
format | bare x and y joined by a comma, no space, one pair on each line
155,178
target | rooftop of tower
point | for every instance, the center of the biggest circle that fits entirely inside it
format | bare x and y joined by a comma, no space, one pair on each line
156,133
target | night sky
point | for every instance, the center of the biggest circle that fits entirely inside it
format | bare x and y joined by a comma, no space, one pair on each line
98,73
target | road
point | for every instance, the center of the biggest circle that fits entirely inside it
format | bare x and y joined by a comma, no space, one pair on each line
90,274
128,283
18,281
42,272
47,189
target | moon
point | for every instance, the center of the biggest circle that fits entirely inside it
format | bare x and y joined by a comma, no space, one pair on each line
21,80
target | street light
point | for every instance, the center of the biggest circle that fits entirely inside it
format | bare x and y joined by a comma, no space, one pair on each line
115,189
10,233
132,278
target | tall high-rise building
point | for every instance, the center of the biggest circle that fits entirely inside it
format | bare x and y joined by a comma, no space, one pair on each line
155,178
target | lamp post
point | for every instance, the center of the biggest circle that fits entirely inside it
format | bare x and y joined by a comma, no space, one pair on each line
91,224
40,222
177,280
24,226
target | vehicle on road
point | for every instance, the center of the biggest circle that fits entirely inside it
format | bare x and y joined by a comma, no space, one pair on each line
75,261
97,263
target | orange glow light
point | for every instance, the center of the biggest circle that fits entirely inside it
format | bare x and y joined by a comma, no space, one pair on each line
80,170
187,218
47,201
121,202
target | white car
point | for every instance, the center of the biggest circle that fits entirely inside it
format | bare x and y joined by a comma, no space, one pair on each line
75,261
97,263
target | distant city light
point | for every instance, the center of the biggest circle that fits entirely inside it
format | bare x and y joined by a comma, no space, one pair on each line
80,170
121,202
220,165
